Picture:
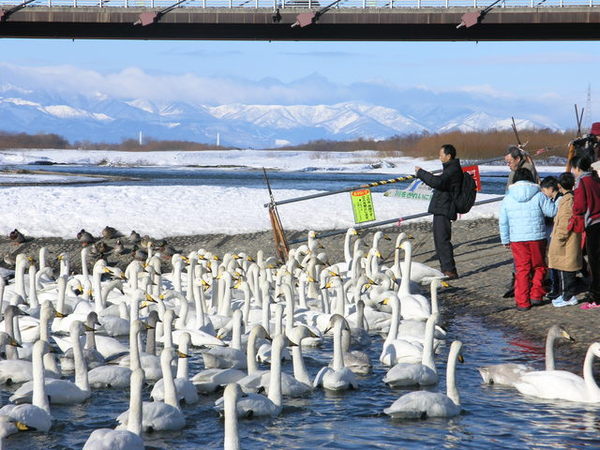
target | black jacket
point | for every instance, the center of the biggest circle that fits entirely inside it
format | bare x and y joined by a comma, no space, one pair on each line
445,187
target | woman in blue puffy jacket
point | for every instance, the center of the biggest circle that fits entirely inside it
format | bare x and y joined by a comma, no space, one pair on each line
523,230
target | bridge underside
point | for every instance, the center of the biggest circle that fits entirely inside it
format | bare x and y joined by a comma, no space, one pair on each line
337,25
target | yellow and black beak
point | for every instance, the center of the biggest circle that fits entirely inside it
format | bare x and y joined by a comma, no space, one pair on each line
21,426
182,355
59,315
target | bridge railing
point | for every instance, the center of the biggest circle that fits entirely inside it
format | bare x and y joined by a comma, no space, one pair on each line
304,4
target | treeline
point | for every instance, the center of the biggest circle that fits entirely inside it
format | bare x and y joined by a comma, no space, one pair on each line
54,141
24,140
470,145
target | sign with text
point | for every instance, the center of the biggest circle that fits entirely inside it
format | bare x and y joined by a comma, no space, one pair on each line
362,206
474,172
417,190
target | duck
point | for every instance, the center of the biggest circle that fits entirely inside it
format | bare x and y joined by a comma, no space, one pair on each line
563,385
85,238
119,439
425,404
110,233
507,374
338,377
16,237
134,237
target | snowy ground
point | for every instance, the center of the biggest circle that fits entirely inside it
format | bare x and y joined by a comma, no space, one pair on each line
181,210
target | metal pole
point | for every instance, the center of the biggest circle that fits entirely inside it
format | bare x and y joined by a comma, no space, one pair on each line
398,221
374,184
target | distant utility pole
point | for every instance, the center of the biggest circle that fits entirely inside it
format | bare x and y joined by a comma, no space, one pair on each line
218,139
141,138
587,120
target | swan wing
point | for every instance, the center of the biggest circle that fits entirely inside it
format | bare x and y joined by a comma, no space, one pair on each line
503,374
554,384
30,415
107,439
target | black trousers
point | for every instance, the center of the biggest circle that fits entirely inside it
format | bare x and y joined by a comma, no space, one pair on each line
592,245
568,283
442,233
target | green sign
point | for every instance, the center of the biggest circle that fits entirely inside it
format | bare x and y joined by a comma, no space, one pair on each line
362,206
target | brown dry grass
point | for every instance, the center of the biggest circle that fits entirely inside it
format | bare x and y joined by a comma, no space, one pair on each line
474,145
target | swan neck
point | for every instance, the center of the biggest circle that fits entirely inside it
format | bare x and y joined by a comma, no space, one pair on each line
338,351
134,421
451,389
182,363
33,299
394,323
251,353
275,382
588,375
300,372
168,382
232,440
39,397
81,376
134,350
427,359
550,351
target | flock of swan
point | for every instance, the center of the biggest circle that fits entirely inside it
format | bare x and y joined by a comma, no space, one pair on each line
66,334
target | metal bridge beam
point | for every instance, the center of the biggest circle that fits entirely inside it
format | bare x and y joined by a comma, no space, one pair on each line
384,24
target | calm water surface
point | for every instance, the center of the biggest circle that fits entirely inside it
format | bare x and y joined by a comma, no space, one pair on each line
492,417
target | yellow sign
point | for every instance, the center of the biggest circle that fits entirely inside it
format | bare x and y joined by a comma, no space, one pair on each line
362,206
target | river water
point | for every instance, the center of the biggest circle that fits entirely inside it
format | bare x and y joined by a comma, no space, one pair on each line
492,417
493,183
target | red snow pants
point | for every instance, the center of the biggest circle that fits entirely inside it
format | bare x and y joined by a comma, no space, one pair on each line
530,270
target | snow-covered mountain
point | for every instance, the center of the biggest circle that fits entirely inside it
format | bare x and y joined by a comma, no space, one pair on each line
100,118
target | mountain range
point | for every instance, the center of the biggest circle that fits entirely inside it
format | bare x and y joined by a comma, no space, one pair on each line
99,118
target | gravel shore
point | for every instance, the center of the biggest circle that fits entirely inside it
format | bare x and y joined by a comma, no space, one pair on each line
484,266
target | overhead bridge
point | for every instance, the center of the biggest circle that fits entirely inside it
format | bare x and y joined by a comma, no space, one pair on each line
364,20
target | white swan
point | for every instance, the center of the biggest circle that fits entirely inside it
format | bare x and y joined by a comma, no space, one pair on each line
230,357
508,374
564,385
129,439
186,391
159,416
256,405
422,374
37,414
63,391
424,404
396,349
412,306
338,377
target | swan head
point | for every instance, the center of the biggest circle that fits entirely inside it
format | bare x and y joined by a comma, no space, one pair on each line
557,331
300,332
258,331
337,320
595,348
6,339
456,349
91,320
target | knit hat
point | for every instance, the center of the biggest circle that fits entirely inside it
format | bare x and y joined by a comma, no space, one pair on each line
595,130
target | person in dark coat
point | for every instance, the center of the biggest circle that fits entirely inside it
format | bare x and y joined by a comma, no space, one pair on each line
445,189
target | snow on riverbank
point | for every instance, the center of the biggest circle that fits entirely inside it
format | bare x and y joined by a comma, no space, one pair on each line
180,210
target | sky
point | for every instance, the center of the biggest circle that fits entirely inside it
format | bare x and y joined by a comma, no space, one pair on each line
526,78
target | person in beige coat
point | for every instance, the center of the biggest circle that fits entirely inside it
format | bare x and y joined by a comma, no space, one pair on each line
564,253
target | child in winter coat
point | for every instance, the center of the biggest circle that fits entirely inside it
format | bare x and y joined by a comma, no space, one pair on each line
551,189
564,254
522,229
